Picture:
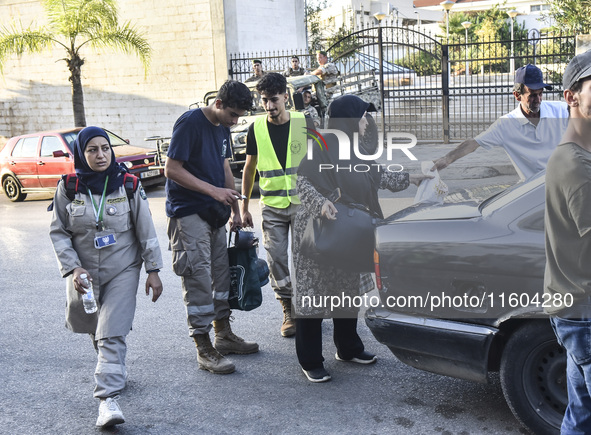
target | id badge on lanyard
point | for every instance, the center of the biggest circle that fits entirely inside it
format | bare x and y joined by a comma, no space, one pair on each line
102,238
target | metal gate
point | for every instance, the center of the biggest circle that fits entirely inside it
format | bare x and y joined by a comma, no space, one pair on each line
410,75
426,89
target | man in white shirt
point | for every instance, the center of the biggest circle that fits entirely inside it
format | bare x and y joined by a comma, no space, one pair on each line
529,134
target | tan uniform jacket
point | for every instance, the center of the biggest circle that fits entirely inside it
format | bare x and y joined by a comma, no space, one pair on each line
114,269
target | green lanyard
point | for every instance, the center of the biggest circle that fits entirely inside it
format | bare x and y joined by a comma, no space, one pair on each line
98,211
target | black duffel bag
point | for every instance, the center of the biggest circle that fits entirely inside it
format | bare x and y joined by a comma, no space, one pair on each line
248,273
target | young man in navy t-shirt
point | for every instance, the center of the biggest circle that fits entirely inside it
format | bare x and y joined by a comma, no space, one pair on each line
200,198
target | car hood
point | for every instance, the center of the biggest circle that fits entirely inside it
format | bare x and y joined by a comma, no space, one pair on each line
243,124
129,150
419,212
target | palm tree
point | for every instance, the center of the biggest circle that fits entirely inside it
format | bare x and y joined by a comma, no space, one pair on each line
74,24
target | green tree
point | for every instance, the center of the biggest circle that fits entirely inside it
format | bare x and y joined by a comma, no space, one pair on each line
342,44
570,16
315,39
72,25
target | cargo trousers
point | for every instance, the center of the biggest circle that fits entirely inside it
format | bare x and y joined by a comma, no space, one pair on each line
200,258
277,228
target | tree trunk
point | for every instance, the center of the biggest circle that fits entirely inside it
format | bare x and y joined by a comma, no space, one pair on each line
75,67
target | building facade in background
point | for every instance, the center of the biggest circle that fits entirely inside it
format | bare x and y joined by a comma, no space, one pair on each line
190,39
531,12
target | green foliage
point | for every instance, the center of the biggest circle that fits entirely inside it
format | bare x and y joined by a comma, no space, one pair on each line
491,28
314,28
570,16
342,44
423,63
72,25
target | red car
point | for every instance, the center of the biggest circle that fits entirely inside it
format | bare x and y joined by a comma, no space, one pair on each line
33,163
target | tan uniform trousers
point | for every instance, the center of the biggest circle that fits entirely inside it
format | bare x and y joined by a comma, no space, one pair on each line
277,229
200,258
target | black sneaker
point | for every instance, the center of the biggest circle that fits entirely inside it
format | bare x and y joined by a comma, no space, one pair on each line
317,375
363,358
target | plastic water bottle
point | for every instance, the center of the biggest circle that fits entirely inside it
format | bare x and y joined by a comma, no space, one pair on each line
88,299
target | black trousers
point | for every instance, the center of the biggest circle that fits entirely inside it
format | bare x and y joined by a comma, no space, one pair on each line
309,340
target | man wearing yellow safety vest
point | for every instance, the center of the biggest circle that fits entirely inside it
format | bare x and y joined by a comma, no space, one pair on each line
275,145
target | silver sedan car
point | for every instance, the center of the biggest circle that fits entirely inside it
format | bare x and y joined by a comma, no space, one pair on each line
461,294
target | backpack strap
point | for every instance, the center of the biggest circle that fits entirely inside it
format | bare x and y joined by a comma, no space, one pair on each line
131,183
71,181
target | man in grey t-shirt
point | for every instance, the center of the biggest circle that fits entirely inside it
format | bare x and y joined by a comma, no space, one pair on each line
567,279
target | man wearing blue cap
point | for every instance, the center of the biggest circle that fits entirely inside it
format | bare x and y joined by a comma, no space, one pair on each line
529,133
567,280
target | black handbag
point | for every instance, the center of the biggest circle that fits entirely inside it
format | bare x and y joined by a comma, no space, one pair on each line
346,243
248,273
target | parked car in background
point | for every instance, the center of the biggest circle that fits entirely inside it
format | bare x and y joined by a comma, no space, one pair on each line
488,258
34,163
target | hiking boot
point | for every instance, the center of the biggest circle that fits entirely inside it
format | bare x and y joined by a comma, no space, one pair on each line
317,375
109,413
363,358
288,328
227,342
209,358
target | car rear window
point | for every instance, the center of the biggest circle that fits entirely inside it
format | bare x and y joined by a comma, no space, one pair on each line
70,137
26,147
115,140
49,144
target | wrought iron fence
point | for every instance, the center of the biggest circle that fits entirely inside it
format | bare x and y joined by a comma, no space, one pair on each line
426,87
274,61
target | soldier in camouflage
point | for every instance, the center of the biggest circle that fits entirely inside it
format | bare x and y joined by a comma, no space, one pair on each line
327,71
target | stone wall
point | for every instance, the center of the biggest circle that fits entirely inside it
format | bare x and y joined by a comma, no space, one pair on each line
265,25
188,42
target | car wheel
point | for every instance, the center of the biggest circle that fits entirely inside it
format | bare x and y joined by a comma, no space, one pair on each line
533,377
13,190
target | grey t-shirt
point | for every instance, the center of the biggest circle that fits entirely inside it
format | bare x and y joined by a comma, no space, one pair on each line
568,226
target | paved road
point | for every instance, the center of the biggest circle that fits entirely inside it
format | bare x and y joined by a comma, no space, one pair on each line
46,371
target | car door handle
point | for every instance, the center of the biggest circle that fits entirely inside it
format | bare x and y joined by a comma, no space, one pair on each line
40,162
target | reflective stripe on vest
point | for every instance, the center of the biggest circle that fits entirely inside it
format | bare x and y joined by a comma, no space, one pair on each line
278,186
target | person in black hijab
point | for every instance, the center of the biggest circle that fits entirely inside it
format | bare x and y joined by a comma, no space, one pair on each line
318,186
93,180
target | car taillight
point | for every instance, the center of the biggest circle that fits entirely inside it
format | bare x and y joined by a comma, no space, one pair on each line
376,264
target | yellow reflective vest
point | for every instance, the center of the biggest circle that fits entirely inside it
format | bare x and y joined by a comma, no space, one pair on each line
278,186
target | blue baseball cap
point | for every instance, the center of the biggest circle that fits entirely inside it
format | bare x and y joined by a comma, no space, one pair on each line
531,76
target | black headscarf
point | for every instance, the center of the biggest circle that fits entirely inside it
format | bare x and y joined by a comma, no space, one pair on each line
95,181
359,187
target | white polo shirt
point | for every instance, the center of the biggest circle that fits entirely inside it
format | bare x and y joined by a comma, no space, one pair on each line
529,146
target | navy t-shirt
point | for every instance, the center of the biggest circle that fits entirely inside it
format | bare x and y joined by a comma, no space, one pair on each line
203,147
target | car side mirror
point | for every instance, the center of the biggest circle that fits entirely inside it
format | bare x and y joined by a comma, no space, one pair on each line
298,101
60,153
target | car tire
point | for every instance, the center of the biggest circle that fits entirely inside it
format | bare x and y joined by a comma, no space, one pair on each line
12,189
533,377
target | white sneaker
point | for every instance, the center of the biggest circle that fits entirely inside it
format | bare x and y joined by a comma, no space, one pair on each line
109,413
